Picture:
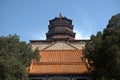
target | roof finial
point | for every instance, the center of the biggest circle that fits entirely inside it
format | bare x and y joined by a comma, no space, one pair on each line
60,15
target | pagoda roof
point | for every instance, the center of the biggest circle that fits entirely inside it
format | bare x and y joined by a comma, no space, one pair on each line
60,17
60,31
64,18
60,62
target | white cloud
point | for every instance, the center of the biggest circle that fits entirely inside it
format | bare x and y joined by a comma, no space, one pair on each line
84,28
80,35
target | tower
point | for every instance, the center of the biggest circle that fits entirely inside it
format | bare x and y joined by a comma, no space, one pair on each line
60,28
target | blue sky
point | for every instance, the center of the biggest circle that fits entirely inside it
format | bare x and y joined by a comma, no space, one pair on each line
30,18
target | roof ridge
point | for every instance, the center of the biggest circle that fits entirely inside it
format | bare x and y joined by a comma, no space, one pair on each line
63,50
48,46
62,42
72,46
60,63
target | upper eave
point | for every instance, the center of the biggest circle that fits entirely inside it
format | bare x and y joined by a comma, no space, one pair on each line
80,40
60,18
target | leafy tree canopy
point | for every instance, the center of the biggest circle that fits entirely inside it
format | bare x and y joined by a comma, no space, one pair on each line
15,57
104,51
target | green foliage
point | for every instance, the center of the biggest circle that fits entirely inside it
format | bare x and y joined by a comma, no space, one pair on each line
104,51
15,57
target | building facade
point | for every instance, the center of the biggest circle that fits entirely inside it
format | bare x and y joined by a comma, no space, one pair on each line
61,55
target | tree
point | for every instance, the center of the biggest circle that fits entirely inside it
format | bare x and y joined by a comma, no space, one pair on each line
15,57
104,51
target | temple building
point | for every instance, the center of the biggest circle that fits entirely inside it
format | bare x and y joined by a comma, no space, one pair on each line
61,55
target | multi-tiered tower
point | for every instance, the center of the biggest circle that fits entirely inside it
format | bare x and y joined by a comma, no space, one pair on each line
60,28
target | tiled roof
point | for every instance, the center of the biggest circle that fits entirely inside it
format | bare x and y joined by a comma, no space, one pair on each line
59,69
60,62
61,56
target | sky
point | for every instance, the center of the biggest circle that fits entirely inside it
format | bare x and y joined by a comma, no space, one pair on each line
30,18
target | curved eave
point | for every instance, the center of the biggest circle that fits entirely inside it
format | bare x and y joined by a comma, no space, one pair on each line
60,18
80,40
82,74
32,41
